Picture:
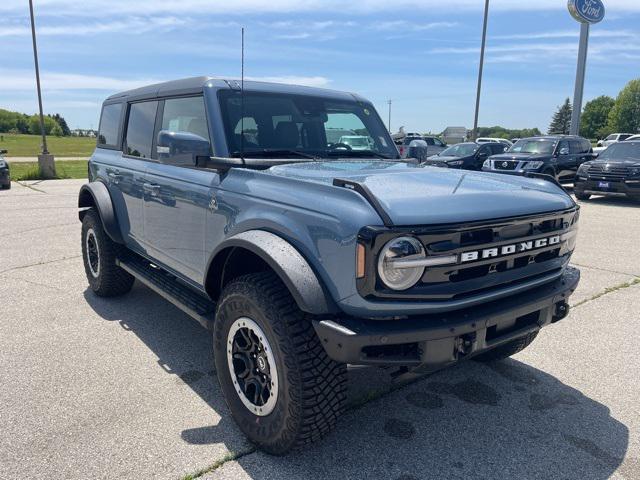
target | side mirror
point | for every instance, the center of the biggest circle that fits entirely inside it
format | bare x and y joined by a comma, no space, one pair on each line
564,151
483,155
183,148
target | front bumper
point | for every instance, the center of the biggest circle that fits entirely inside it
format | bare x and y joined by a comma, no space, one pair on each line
434,341
617,188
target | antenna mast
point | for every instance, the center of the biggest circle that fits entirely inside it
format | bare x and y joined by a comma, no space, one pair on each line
242,96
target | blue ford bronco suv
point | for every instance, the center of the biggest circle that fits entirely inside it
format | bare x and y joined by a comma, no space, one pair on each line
302,255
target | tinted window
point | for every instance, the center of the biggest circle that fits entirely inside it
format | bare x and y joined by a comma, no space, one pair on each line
576,146
497,148
408,140
460,150
185,115
142,117
624,137
429,141
563,144
109,125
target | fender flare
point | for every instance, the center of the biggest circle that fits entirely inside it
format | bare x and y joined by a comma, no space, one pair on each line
96,195
287,262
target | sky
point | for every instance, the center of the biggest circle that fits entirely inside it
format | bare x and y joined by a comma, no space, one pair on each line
423,55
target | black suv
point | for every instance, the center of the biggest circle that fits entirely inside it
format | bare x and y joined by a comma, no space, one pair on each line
616,172
467,155
555,155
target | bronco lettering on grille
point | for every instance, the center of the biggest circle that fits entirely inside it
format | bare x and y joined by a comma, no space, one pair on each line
509,249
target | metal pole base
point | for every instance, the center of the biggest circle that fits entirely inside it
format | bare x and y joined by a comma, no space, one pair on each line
47,166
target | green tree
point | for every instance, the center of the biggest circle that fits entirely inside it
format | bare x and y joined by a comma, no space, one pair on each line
595,116
561,122
57,131
63,124
625,114
34,124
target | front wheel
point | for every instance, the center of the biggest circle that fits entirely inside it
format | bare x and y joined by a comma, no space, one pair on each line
281,387
582,196
99,253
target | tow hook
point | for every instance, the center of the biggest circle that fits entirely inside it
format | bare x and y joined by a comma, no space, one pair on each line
561,311
465,343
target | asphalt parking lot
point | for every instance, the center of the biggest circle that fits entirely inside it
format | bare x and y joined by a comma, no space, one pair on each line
124,388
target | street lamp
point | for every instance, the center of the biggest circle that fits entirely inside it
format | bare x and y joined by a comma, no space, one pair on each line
474,133
45,159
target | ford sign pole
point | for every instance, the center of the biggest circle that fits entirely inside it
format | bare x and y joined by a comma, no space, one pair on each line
586,12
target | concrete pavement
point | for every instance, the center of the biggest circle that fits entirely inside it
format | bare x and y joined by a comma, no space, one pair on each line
125,388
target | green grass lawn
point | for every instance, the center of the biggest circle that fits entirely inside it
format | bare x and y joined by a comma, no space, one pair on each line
29,145
65,169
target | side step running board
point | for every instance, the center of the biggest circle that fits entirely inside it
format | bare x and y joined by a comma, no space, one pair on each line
186,299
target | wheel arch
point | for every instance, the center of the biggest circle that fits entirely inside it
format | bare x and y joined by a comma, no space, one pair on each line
96,195
259,250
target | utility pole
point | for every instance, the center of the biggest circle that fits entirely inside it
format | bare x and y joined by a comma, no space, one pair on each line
389,123
474,133
45,160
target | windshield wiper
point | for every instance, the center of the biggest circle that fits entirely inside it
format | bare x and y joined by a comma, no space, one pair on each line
358,153
269,152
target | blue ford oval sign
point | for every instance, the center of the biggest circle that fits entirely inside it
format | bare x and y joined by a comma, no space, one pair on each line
586,11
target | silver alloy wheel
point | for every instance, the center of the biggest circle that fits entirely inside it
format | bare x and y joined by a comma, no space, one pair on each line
252,366
93,252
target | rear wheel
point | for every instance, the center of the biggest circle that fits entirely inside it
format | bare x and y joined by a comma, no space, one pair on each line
282,389
508,349
99,253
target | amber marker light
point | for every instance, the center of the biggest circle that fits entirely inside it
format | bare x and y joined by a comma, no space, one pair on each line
360,255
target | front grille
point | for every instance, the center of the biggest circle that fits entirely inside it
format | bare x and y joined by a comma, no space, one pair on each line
608,172
505,164
464,279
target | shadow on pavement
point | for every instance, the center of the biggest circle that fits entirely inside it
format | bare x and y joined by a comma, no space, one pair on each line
500,420
613,201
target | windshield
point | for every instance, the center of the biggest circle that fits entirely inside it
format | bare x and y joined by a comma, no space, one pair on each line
533,146
622,151
460,150
311,125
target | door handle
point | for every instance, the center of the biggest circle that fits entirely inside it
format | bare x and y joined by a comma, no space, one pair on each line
151,188
114,177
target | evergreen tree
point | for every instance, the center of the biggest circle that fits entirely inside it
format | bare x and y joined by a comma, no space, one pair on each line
561,122
66,131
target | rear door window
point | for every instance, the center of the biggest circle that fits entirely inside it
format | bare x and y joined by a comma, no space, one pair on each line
139,137
497,148
110,126
185,115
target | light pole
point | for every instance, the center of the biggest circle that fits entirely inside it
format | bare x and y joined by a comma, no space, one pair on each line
474,133
45,160
586,12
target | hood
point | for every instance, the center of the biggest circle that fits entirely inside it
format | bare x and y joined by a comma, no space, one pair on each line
519,156
413,195
448,158
617,162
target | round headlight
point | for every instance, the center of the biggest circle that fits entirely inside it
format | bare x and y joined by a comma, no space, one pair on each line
392,272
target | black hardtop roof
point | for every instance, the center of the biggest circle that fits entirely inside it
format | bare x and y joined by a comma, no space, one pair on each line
194,85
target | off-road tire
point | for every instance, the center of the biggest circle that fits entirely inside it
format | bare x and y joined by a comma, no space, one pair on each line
508,349
583,196
110,280
6,186
312,387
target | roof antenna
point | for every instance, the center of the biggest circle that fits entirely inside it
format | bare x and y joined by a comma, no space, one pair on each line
242,97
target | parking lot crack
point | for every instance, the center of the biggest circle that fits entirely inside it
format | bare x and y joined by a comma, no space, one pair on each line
229,457
606,291
606,270
20,267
